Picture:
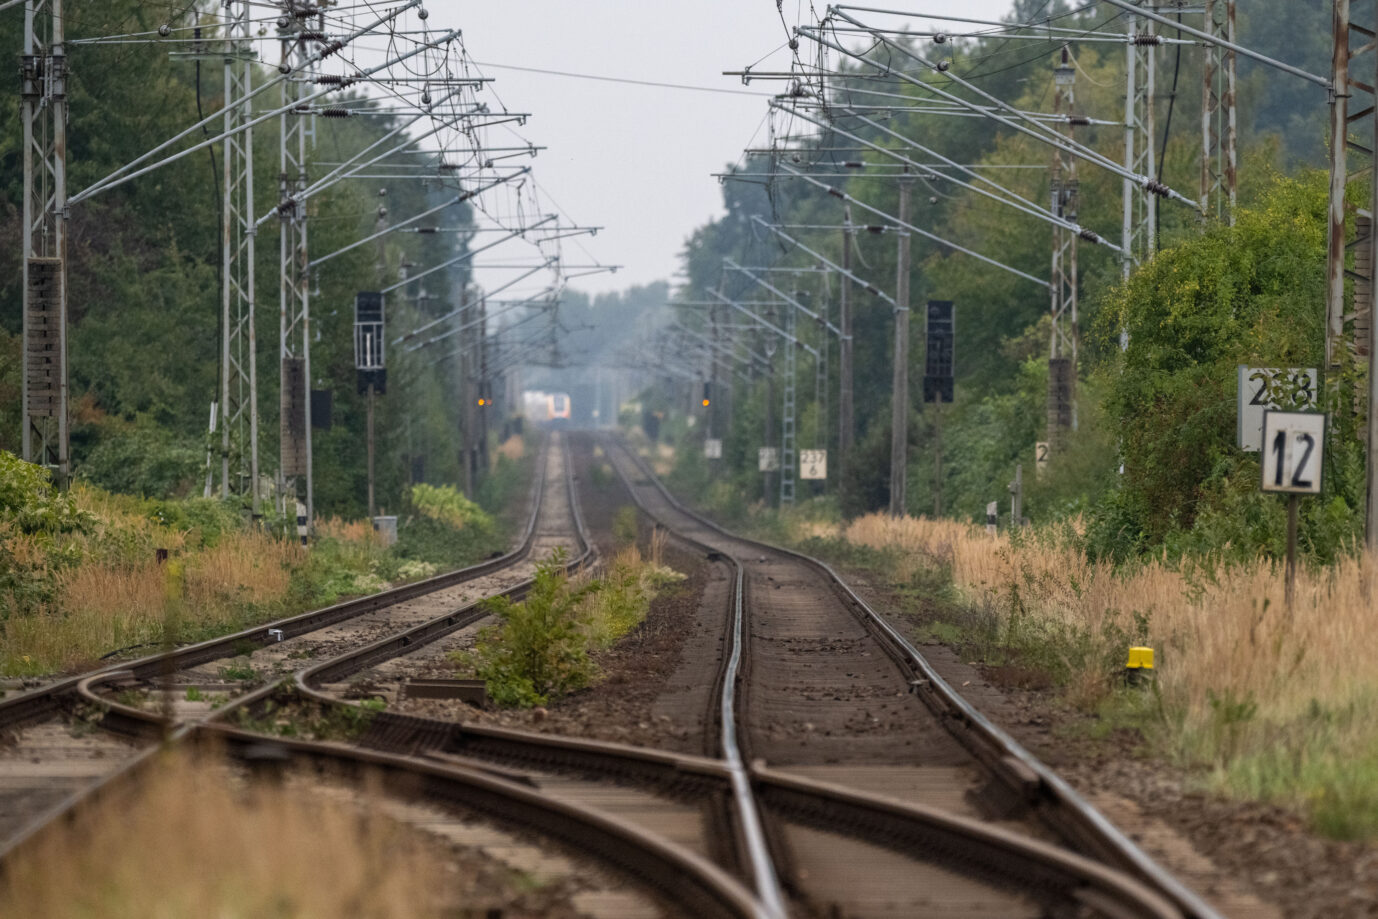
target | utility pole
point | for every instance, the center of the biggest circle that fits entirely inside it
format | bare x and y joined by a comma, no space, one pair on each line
899,387
467,393
1062,356
294,292
820,375
769,349
370,368
238,354
1219,156
787,420
43,73
1352,101
483,388
846,427
714,388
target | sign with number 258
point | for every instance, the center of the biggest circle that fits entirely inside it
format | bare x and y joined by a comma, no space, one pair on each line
1293,450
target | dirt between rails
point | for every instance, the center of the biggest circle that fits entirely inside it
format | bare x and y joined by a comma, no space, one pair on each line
655,684
634,700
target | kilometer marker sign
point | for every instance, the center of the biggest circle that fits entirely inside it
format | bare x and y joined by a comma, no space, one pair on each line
1293,452
813,464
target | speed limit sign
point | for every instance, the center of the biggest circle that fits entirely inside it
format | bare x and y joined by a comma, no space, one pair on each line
1293,449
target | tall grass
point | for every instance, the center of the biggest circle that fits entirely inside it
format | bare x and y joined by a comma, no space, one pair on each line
67,600
1278,703
628,585
191,841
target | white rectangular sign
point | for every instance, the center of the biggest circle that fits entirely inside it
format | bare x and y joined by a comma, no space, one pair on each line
712,448
1293,451
1293,389
768,459
992,516
1040,458
813,464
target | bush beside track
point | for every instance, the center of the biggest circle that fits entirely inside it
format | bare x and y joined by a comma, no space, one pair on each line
80,578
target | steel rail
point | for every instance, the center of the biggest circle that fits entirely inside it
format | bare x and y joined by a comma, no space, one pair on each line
128,719
39,703
1052,874
678,877
1007,760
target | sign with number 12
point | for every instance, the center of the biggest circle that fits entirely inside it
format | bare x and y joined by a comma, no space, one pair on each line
1293,452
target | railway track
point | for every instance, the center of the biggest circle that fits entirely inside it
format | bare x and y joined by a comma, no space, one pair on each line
863,837
446,790
945,814
821,830
58,739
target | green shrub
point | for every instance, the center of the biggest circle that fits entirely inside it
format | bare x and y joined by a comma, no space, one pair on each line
1252,294
447,504
538,649
447,529
29,501
625,528
141,459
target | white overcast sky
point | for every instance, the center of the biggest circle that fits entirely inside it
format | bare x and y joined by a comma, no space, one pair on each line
636,160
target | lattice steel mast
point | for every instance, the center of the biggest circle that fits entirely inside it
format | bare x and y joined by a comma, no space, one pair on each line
238,363
1063,187
294,318
43,70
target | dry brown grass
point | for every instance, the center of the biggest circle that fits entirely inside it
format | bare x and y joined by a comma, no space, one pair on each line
358,531
514,448
101,606
1223,636
192,840
241,568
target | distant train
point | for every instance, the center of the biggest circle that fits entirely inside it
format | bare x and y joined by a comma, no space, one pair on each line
546,407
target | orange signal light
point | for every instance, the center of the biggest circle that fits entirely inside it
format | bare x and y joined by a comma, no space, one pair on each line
705,403
482,402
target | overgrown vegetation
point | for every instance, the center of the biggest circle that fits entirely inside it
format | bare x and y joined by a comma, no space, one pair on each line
80,575
541,647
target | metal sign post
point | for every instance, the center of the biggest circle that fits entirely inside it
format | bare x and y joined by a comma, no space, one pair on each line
1293,464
